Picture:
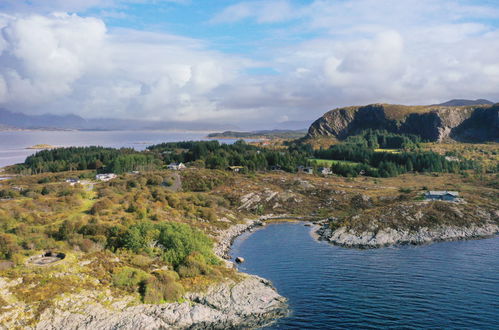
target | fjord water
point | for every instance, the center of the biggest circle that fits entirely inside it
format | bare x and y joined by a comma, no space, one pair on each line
13,144
449,285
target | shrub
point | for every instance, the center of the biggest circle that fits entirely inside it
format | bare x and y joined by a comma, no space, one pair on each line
129,277
163,287
154,180
100,206
8,246
194,265
176,240
180,240
141,261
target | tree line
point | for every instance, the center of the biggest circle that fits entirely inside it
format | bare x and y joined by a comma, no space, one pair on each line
360,149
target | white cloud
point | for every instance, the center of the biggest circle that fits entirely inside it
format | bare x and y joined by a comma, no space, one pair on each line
261,11
340,53
66,63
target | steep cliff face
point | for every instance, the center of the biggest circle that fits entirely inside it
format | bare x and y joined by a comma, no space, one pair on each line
433,123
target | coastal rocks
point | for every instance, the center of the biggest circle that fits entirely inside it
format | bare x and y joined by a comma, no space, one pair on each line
227,236
389,236
249,303
268,199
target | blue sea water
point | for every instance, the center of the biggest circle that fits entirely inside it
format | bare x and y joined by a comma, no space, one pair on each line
13,144
449,285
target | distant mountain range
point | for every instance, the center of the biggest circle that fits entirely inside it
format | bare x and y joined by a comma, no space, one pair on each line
269,134
15,120
461,102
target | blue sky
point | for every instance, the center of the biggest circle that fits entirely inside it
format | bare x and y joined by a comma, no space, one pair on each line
243,62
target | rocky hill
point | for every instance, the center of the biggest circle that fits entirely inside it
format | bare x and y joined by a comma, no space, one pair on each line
475,123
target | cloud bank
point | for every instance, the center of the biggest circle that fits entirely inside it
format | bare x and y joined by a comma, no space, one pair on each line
321,55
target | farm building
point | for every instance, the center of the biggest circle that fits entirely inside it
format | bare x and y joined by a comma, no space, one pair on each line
235,168
105,176
175,166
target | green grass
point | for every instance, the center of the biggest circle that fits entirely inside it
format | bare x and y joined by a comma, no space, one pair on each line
392,151
330,162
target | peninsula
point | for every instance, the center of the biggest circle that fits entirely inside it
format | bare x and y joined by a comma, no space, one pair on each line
148,245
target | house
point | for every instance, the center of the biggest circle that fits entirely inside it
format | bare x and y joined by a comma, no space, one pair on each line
105,176
443,195
275,168
325,171
305,169
175,166
235,168
72,181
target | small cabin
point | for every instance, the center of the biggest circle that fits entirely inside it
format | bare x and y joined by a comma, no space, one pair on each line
305,169
444,195
72,181
105,176
324,170
175,166
235,168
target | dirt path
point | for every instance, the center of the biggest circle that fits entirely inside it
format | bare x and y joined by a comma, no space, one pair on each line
177,183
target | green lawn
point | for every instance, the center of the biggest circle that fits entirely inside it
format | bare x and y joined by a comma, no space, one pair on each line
392,151
329,162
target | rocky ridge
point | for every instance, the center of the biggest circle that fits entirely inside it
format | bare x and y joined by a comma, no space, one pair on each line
249,303
389,236
376,237
433,123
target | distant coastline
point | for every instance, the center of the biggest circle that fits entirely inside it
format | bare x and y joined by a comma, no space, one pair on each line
42,147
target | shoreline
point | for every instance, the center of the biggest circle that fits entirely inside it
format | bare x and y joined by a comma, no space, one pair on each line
347,239
226,237
400,237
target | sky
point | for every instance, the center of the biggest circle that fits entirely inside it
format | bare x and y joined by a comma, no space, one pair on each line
248,63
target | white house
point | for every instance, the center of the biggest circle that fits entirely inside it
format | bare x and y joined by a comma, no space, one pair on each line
105,176
175,166
325,170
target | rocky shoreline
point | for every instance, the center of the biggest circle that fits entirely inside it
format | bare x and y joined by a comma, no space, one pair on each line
391,237
226,237
249,303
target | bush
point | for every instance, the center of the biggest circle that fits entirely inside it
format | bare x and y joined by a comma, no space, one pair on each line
100,206
176,240
194,265
163,287
8,246
129,277
141,261
180,240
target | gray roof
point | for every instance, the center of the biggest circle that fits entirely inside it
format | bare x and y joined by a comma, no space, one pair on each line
443,192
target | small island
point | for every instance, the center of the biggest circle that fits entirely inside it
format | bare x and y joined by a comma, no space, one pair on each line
42,146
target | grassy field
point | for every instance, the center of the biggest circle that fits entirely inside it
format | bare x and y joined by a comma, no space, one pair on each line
392,151
329,162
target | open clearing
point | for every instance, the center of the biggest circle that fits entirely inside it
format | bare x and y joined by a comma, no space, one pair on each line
330,162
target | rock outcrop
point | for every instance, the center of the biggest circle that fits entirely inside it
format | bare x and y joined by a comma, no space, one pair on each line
249,303
434,123
389,236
